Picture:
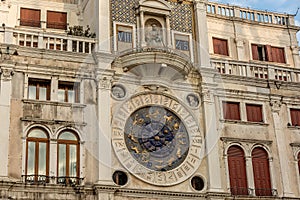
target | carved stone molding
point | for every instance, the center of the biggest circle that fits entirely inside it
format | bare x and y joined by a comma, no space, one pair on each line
275,105
6,74
207,96
104,83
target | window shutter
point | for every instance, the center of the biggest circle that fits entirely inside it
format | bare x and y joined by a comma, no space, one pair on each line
254,113
231,110
216,46
295,117
254,52
261,172
220,46
56,20
268,50
237,171
30,17
278,55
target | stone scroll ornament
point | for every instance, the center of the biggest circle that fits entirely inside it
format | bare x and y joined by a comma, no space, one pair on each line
157,139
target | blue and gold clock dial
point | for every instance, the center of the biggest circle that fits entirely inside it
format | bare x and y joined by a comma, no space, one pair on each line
156,138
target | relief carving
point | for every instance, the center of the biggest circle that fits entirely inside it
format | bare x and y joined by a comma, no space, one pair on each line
275,105
6,74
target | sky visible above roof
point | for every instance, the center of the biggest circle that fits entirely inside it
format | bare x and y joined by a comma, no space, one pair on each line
281,6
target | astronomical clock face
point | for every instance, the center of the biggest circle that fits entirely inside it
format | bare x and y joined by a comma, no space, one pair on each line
157,139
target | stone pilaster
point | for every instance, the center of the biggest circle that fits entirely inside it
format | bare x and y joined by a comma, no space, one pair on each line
103,26
202,54
5,106
104,130
276,107
211,142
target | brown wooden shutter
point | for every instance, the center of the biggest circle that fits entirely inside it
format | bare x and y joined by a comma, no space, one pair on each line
254,113
56,20
268,51
30,17
216,45
295,117
261,172
237,171
254,52
278,54
220,46
231,110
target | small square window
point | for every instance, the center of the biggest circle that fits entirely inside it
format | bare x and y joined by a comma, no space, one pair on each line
231,110
254,113
68,92
39,89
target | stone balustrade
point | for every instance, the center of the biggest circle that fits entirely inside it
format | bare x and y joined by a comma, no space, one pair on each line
53,112
256,70
46,40
249,14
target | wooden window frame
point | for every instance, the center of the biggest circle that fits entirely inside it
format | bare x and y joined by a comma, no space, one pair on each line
30,22
254,112
68,179
38,83
67,86
228,113
220,46
37,141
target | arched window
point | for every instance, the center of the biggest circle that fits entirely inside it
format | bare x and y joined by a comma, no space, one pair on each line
261,172
37,156
68,158
237,171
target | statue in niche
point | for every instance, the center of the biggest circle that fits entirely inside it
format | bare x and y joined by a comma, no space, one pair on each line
154,36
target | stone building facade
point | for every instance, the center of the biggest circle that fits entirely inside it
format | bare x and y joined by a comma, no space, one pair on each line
148,99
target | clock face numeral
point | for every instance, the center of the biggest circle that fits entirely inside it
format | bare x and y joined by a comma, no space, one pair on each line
157,139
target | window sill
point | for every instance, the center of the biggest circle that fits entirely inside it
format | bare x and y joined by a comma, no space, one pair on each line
54,103
293,127
244,122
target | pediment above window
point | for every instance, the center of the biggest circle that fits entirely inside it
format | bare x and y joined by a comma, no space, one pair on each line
154,6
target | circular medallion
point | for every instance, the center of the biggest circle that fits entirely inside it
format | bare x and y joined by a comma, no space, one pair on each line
156,139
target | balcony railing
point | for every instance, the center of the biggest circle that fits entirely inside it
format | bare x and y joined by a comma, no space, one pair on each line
257,70
46,40
248,14
43,179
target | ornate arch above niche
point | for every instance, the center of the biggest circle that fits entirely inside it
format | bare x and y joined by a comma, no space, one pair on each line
158,33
